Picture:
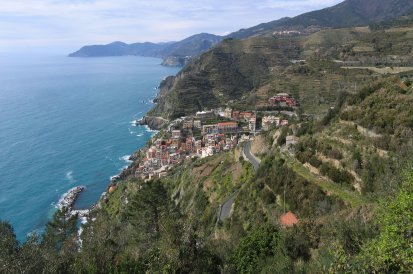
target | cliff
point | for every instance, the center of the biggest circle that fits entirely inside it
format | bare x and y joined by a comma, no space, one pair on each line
154,123
177,60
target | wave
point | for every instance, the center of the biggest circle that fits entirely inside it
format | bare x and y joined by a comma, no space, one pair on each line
69,177
150,130
131,132
113,177
126,158
139,135
124,167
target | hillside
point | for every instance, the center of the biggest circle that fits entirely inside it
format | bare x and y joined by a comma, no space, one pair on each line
336,59
119,49
353,13
348,181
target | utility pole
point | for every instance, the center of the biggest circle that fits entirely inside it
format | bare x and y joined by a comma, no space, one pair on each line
285,186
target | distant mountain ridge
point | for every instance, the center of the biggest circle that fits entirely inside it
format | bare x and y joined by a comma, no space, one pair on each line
118,49
173,53
188,48
347,13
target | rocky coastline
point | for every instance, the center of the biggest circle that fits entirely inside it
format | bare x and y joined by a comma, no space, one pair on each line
154,123
69,199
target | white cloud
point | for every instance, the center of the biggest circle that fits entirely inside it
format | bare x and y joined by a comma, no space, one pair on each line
78,22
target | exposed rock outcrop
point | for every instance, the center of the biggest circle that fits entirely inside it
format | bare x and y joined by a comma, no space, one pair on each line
169,85
165,81
154,123
138,154
177,60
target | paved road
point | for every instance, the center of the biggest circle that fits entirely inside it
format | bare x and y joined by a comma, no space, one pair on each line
251,158
226,208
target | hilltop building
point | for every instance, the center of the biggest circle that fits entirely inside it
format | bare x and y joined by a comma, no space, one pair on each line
283,99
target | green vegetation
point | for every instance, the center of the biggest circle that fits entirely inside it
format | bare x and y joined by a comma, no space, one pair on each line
348,179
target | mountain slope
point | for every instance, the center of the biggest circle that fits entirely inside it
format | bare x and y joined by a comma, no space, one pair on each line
118,49
353,13
263,67
253,31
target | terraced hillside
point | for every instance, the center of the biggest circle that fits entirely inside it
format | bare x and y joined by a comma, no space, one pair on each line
335,60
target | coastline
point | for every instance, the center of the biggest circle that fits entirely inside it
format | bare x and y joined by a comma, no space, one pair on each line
69,199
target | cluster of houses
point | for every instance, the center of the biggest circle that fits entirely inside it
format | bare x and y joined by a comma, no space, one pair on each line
232,127
268,120
284,100
287,32
165,153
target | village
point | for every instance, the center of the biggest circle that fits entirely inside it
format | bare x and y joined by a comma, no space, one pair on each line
207,133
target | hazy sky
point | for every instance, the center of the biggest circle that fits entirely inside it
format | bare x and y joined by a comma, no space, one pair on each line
63,26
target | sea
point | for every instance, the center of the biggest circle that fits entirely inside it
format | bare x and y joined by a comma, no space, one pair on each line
67,122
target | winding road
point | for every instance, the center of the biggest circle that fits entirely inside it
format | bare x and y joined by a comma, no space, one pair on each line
225,209
253,160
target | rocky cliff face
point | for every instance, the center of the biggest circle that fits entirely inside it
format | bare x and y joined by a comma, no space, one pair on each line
177,60
154,123
171,83
138,154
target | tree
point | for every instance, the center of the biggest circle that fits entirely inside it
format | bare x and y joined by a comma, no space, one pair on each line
60,229
258,245
147,207
9,248
392,250
300,113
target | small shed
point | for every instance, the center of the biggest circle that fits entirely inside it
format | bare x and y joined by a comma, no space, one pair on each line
288,219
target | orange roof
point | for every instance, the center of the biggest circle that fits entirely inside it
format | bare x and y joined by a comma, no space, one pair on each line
112,188
288,219
227,124
139,168
222,141
235,111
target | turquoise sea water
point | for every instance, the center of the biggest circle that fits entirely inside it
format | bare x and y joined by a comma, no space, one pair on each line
67,122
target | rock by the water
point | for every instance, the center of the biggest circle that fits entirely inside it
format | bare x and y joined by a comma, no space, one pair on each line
68,200
154,123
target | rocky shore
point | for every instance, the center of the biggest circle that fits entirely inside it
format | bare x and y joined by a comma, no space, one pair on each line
69,199
154,123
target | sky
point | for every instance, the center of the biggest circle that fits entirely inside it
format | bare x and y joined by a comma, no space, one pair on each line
64,26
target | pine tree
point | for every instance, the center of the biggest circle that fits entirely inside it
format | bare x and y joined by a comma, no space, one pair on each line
61,228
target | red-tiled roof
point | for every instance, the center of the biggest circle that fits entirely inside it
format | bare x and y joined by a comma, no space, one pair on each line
288,219
112,188
139,168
